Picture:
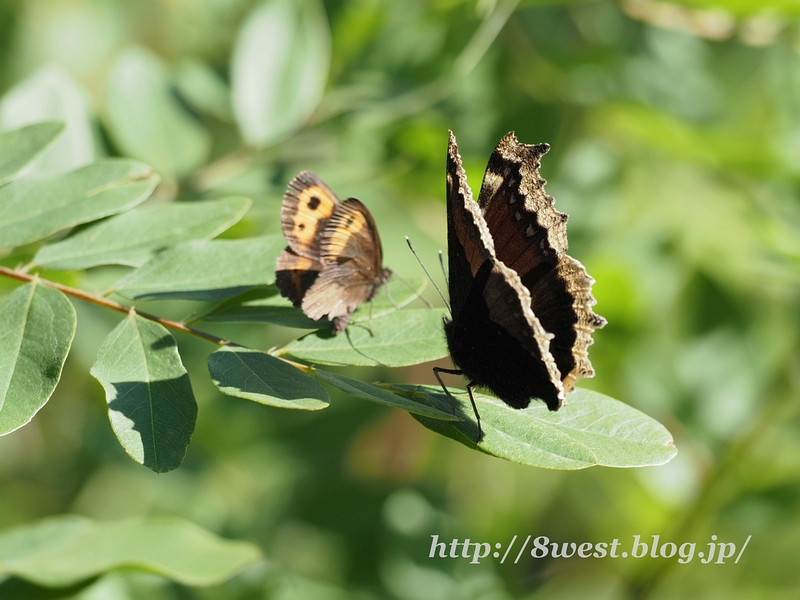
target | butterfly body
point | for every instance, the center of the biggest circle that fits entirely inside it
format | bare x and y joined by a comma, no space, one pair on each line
334,259
521,307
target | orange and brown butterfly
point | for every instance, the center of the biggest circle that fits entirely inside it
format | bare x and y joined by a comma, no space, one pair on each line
334,260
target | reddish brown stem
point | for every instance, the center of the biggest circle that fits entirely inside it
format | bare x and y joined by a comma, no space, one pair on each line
105,302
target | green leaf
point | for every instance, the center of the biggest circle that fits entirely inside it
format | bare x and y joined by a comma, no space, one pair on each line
395,294
133,237
373,393
20,147
261,305
51,93
150,401
254,375
32,209
401,338
205,270
203,89
592,429
147,121
20,589
266,305
37,324
65,550
279,68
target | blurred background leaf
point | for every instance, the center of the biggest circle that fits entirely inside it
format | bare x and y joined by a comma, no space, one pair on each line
147,121
21,146
66,550
51,93
279,68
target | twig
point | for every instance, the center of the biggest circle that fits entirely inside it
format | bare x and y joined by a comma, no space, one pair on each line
106,303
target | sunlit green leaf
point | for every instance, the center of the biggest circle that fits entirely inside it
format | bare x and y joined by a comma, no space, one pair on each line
592,429
60,551
147,121
51,93
257,376
279,68
32,209
205,270
390,297
266,305
263,304
150,400
21,146
401,338
373,393
37,324
132,237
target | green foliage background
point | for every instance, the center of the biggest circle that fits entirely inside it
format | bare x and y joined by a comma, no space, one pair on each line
675,134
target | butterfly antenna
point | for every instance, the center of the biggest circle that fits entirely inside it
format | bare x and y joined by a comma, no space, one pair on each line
444,271
421,264
416,293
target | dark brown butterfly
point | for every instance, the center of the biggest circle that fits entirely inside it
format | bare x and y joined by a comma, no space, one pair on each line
521,308
334,259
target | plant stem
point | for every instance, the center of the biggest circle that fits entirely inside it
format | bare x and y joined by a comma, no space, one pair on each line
106,303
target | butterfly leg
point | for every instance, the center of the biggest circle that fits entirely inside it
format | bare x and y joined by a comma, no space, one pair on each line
436,371
471,385
391,300
369,322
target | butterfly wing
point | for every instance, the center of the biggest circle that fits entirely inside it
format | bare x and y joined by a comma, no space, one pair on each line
295,274
351,234
469,243
308,205
351,255
530,238
509,306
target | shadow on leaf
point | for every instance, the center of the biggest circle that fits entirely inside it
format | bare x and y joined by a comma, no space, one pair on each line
154,420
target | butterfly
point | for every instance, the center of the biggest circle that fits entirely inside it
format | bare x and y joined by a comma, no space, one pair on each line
333,262
521,309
